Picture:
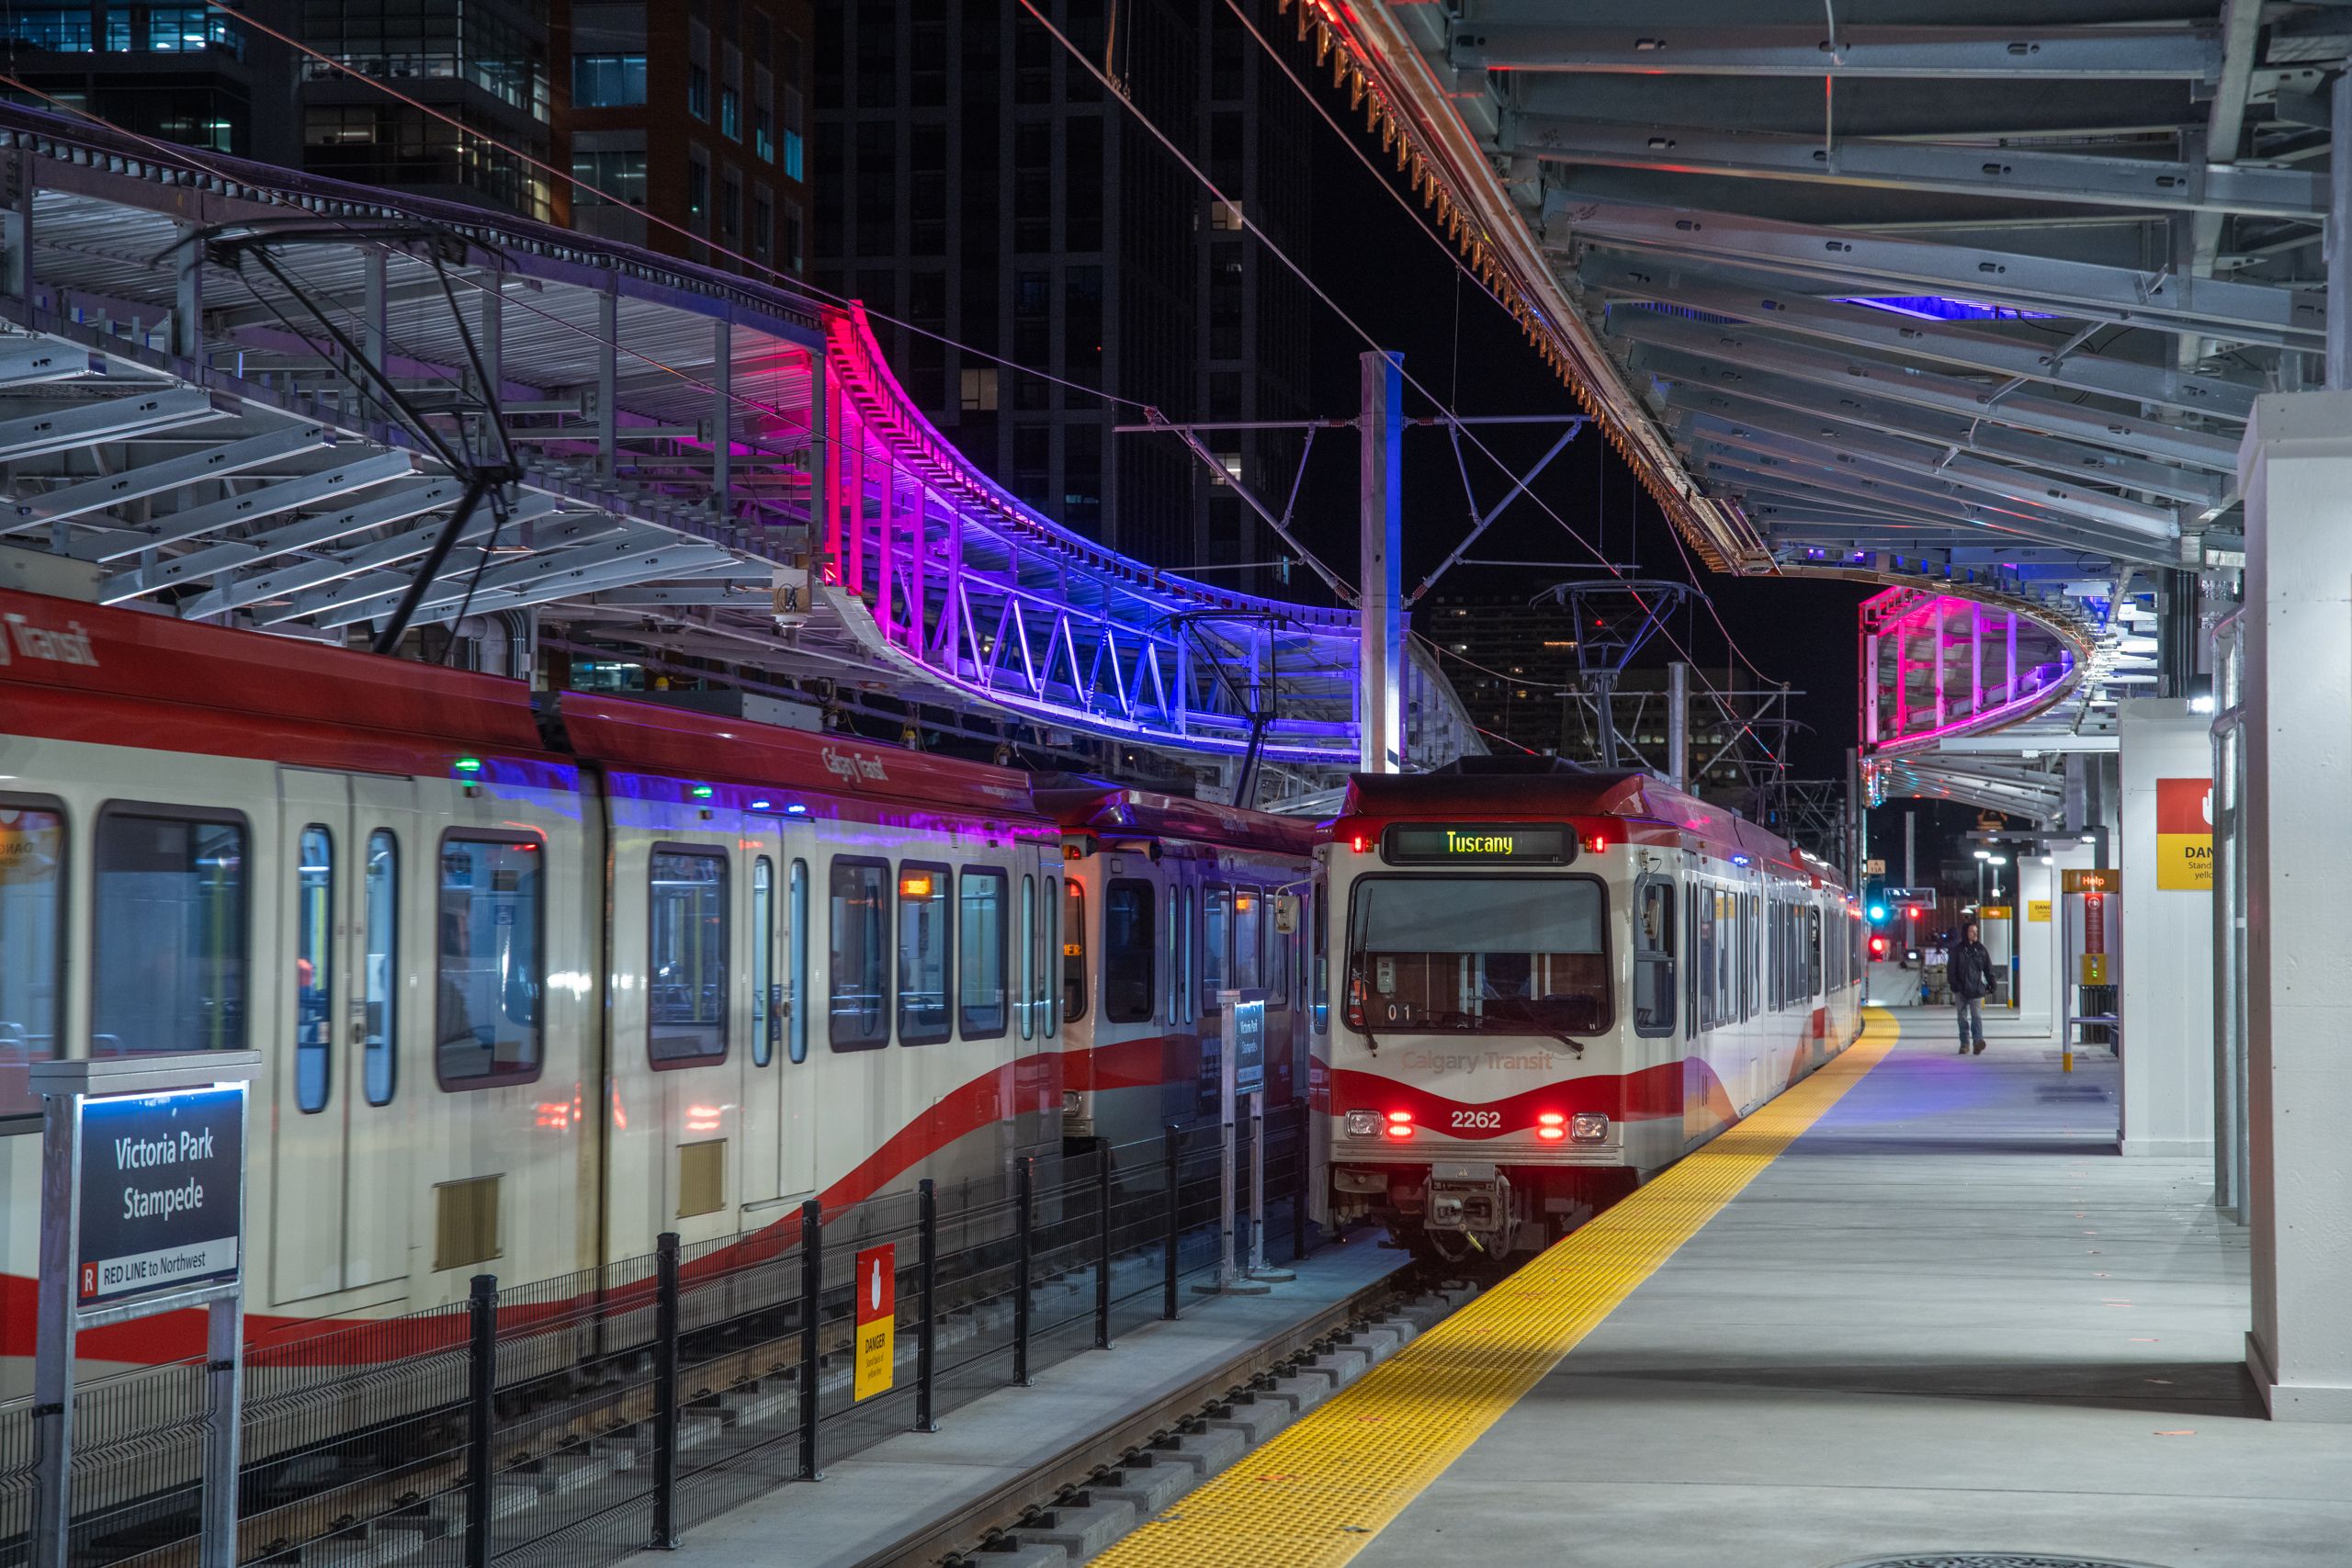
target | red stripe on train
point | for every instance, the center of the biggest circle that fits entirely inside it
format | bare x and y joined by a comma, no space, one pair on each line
1647,1095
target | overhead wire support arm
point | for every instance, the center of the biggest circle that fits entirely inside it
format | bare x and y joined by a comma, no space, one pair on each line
1280,525
1486,520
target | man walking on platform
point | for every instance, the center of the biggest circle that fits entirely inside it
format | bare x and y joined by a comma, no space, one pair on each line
1969,970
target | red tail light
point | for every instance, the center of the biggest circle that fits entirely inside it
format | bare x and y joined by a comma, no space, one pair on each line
1401,1125
1551,1134
1359,844
1552,1126
1596,842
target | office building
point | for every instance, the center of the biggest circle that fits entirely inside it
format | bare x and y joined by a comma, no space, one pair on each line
690,116
976,182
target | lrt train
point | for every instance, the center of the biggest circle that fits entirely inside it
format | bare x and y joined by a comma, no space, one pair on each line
537,978
1196,899
1552,983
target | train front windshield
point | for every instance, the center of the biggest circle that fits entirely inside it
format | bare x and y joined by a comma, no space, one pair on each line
1480,954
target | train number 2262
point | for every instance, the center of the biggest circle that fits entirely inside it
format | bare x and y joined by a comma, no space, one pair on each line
1477,1120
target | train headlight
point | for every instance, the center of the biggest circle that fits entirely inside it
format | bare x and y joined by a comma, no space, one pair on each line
1071,1100
1363,1123
1588,1127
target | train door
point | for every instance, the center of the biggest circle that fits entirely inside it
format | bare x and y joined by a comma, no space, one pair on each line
341,1167
787,1094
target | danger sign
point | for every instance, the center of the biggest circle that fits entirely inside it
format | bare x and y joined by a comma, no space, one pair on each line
2184,835
877,1321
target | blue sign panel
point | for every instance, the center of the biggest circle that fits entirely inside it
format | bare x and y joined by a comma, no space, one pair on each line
1247,1030
163,1193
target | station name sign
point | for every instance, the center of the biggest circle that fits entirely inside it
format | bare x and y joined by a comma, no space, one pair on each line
162,1190
1479,843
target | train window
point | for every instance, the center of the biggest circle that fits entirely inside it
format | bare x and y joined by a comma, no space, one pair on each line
1027,1006
1217,944
1191,956
1129,947
1248,937
168,955
795,946
1812,954
1279,943
926,943
685,973
487,1017
1051,909
1481,954
860,1019
1713,938
767,1016
32,937
1318,1000
979,950
1073,950
1173,925
314,968
380,970
1653,956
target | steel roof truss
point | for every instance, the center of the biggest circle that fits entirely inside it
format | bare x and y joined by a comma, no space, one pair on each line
2251,312
2205,492
139,481
2007,490
69,426
2019,174
1761,349
1864,326
2166,52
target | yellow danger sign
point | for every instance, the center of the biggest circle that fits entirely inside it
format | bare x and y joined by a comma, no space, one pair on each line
877,1321
2184,835
2037,911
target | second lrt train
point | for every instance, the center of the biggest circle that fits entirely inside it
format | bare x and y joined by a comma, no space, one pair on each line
1548,985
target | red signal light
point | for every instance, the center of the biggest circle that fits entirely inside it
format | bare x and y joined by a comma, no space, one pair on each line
1359,844
1878,947
1596,842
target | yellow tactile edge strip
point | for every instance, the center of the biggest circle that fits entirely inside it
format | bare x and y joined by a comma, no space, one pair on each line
1315,1494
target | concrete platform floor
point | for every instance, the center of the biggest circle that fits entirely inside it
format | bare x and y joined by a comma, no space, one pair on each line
1950,1318
871,1500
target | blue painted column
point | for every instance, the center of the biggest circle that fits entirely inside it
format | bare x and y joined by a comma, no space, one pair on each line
1380,677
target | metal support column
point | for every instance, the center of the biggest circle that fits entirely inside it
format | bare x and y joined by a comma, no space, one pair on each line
2177,634
1677,723
722,418
608,338
1380,674
2339,239
187,300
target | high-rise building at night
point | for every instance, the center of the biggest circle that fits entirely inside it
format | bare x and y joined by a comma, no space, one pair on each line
977,182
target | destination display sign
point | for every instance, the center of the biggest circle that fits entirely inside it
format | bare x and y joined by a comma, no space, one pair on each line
161,1188
1478,844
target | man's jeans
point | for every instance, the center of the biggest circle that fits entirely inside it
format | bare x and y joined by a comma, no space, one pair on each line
1972,1016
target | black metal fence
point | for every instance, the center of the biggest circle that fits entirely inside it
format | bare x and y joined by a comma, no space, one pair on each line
571,1422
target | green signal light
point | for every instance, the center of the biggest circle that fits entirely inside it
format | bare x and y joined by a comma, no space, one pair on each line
702,792
467,764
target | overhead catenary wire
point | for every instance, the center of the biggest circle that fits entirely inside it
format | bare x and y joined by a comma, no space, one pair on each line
786,279
1314,287
1461,270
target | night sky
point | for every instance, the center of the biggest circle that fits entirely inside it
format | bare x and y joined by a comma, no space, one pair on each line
1383,270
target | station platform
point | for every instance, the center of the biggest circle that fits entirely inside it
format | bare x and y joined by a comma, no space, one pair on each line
1916,1306
882,1504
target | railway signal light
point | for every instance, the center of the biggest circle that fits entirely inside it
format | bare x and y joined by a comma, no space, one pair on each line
1878,913
1878,947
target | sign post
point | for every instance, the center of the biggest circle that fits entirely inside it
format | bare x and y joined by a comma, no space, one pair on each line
878,1322
142,1211
1242,1070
